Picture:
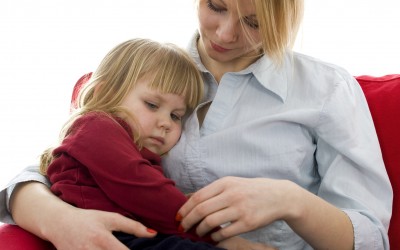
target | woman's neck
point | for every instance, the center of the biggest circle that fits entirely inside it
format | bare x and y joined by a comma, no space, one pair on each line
218,69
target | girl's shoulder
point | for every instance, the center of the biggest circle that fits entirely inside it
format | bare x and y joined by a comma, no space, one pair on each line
97,119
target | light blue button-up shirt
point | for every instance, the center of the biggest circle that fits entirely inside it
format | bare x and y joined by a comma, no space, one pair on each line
307,122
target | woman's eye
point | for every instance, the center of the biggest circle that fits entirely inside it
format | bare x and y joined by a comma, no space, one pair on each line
151,105
212,7
251,23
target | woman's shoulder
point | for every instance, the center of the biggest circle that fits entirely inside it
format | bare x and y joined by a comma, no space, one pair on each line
310,75
309,65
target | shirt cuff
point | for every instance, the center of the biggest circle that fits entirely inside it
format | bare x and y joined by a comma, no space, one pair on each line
30,173
367,234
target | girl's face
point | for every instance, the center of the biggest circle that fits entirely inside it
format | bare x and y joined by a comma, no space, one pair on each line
158,115
223,30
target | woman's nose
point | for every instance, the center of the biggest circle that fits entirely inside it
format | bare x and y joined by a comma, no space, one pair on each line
228,30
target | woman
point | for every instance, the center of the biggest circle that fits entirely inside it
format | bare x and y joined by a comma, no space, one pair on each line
286,141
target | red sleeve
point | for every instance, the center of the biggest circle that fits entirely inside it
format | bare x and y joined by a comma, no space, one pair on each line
106,149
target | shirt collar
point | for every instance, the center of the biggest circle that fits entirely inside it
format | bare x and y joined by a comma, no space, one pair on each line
194,53
270,76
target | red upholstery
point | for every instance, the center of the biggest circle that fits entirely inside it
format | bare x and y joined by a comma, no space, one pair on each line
383,96
15,238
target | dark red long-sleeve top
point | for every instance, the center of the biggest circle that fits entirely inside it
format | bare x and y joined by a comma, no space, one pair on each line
98,166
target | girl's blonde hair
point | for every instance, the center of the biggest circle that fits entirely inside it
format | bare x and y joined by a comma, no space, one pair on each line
168,68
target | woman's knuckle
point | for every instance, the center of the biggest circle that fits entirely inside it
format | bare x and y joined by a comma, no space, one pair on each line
197,198
209,221
202,210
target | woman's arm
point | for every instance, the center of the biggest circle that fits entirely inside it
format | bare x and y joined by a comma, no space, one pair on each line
253,203
37,210
352,202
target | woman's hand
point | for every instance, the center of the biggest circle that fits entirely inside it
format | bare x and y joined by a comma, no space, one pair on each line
92,229
238,243
245,203
37,210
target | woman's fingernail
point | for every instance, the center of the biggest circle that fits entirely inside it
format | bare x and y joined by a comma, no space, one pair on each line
151,230
178,217
181,229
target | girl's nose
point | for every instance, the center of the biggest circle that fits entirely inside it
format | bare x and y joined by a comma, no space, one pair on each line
165,122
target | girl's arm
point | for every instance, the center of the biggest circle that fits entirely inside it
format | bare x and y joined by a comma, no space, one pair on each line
37,210
131,181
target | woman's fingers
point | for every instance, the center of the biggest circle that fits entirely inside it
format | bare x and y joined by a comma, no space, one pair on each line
229,230
245,203
199,205
95,231
221,218
129,226
199,197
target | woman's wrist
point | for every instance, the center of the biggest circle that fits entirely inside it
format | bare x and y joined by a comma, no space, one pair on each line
318,222
35,208
294,200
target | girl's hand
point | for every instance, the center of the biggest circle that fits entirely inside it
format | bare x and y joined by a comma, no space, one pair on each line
244,203
238,243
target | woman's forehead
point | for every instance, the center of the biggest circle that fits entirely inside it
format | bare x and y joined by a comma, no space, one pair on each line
246,7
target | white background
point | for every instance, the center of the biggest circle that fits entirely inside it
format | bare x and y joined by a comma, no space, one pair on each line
46,45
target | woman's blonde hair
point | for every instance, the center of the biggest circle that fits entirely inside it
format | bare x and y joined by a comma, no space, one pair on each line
168,68
279,22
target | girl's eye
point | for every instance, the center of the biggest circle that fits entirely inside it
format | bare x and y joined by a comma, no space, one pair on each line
175,117
251,22
212,7
151,105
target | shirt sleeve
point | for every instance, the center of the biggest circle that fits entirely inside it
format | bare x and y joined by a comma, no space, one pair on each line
135,184
350,163
30,173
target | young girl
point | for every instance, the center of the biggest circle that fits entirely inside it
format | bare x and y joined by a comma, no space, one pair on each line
128,115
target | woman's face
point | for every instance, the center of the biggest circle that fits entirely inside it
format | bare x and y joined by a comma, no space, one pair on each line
223,29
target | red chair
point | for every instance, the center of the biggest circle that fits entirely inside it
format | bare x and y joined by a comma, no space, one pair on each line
383,97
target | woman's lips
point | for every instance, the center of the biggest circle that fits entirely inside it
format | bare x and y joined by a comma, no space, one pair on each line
218,48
